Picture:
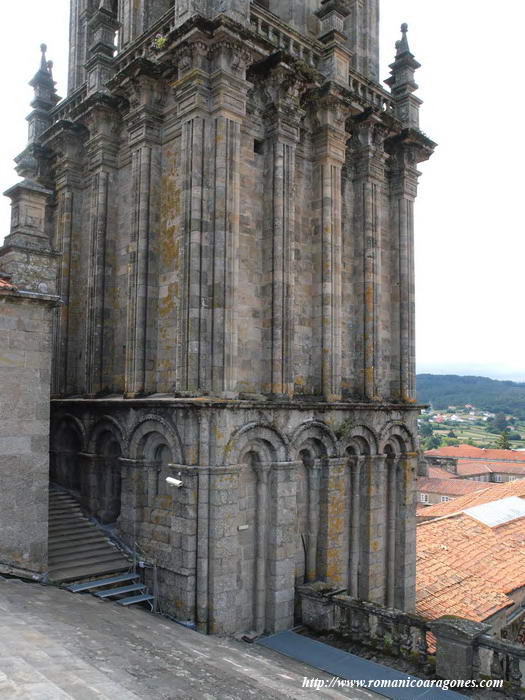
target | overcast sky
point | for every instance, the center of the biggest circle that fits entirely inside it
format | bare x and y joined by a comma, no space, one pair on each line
470,243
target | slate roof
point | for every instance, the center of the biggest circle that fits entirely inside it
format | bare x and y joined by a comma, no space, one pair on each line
466,568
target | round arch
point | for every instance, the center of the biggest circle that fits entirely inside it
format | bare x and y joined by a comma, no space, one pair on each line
105,425
316,437
255,437
68,421
361,440
398,437
151,433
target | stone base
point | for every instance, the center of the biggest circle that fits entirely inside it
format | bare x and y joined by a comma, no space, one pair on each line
264,503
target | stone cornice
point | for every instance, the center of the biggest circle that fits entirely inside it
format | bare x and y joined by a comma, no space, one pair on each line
226,404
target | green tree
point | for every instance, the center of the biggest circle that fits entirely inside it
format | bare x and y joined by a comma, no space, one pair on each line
503,442
500,422
432,443
451,434
425,430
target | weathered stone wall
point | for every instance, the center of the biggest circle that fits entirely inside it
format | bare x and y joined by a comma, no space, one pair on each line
272,496
234,209
25,367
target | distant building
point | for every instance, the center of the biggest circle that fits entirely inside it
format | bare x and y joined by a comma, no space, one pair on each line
432,491
475,464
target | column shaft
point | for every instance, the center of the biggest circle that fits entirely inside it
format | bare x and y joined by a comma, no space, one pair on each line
138,274
225,246
283,229
95,296
260,565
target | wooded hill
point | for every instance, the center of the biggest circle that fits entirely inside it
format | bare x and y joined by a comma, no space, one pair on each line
443,390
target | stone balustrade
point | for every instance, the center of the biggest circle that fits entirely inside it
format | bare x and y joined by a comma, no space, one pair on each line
282,36
450,648
500,660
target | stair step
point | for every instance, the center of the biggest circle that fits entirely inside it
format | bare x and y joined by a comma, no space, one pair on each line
78,547
135,599
118,591
58,529
78,587
67,538
79,558
76,573
67,519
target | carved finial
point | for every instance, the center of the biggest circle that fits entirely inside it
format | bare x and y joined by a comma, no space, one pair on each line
43,61
402,45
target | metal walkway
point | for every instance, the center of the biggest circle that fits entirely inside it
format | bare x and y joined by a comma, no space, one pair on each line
350,667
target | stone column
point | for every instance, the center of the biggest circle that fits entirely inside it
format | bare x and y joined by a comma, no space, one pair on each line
101,151
224,548
261,573
372,580
314,487
403,191
65,209
330,153
212,98
356,465
133,499
203,525
226,197
405,576
144,123
281,553
333,539
368,159
282,119
392,524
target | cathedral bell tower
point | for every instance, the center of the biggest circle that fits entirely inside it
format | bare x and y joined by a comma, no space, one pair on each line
232,198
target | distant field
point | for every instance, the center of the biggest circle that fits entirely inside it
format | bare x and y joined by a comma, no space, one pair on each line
442,391
477,434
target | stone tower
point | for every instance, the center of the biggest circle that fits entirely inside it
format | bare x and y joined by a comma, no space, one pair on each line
232,199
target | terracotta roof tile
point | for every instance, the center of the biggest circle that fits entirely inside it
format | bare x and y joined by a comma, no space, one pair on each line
489,493
439,473
470,466
6,285
469,451
448,487
466,568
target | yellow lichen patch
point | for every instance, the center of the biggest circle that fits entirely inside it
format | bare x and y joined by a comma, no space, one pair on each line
375,546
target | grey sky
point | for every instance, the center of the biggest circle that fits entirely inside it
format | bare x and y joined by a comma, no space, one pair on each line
470,244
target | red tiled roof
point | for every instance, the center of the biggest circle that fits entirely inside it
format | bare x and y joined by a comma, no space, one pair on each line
439,473
466,568
467,467
448,487
471,452
5,284
489,493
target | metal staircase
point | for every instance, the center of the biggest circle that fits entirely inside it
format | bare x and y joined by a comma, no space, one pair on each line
80,551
